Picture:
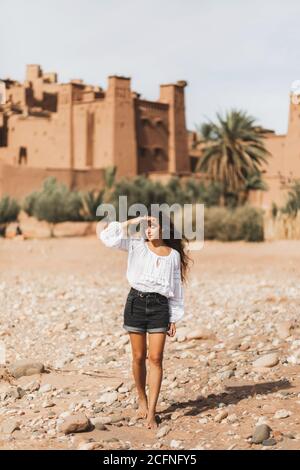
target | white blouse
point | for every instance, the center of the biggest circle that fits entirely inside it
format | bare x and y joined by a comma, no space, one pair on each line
147,271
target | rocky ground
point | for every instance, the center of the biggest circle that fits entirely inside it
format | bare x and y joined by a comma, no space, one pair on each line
231,374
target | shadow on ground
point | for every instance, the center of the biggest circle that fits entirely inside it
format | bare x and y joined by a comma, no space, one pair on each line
231,396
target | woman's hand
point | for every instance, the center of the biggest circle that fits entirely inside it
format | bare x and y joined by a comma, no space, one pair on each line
136,220
172,329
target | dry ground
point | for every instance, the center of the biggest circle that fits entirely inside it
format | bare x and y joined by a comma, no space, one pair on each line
61,303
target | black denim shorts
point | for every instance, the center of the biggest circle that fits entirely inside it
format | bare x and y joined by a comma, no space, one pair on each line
146,312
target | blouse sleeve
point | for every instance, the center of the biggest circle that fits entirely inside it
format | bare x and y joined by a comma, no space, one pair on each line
114,236
176,302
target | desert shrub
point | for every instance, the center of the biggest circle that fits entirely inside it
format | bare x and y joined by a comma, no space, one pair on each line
175,192
196,191
146,191
9,211
56,203
214,222
220,224
211,194
242,223
28,204
139,190
250,221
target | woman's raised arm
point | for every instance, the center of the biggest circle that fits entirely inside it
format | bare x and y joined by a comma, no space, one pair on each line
115,234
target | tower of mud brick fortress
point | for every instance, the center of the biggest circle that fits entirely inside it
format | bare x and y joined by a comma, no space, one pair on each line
74,131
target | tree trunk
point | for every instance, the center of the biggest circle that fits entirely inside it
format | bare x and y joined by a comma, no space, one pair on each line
243,197
222,200
52,230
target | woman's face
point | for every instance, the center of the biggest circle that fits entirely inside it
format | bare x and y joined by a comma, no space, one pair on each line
153,229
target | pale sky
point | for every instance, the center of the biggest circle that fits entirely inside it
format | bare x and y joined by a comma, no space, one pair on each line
233,53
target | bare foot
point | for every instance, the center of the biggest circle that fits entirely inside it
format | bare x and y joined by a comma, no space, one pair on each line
142,410
152,422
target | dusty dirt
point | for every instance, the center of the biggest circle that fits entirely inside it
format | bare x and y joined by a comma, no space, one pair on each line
61,303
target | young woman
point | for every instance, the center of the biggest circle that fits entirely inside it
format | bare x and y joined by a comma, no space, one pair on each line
156,269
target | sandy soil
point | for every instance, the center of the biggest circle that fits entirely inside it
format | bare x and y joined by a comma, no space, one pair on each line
61,303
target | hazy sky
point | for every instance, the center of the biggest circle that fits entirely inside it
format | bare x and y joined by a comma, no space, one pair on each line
233,53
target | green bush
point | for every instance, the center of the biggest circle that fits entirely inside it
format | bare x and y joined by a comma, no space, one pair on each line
251,223
214,222
175,192
55,203
243,223
146,191
139,190
196,191
28,204
211,194
9,211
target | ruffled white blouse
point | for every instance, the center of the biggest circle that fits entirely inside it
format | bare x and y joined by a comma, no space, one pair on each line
147,271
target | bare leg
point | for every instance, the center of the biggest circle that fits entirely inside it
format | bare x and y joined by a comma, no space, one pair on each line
156,349
139,350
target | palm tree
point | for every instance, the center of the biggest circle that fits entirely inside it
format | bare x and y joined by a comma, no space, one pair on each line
254,182
233,149
109,182
91,200
293,203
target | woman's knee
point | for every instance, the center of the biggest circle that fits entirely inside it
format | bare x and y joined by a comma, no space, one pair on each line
139,358
156,359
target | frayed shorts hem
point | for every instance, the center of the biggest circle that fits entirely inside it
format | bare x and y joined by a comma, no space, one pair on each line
133,329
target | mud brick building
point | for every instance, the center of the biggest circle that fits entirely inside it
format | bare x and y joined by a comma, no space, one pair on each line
74,131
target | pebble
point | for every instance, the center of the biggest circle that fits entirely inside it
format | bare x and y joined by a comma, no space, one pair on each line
12,392
232,418
269,442
24,367
100,426
76,423
45,388
281,414
294,358
200,334
8,427
103,419
284,329
261,433
163,431
32,386
203,420
269,360
108,398
175,444
220,416
90,446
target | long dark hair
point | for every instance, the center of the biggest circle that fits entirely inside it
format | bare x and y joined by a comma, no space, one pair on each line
170,237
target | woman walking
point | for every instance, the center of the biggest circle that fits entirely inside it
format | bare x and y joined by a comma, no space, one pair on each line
156,268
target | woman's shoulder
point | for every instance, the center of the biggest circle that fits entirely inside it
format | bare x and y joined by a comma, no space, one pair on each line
176,254
176,259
